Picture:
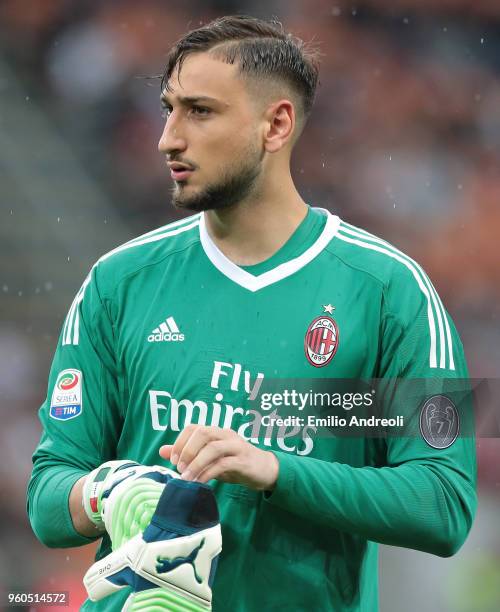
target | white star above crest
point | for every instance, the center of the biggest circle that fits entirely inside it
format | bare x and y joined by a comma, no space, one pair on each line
328,308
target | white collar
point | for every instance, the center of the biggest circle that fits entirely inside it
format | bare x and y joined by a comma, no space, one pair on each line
254,283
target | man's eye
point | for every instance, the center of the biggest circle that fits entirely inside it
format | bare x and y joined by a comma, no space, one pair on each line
200,110
165,111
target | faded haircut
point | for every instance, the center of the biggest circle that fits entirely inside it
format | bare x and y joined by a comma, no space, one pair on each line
261,49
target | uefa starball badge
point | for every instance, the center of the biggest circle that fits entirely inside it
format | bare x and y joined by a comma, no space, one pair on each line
322,338
439,421
66,402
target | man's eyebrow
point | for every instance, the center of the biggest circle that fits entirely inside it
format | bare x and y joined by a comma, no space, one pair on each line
186,100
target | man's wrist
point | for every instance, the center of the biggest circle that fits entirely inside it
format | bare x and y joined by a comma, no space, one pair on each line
81,522
272,471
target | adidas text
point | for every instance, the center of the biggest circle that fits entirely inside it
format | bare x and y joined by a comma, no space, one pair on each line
167,331
166,337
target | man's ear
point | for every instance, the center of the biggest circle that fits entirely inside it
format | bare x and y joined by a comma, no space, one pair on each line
280,125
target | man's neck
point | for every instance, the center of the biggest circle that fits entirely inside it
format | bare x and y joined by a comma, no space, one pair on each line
252,231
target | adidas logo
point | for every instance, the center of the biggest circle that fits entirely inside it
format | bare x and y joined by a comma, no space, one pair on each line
166,332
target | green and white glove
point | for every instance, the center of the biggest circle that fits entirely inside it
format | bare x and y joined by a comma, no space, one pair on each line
171,565
121,496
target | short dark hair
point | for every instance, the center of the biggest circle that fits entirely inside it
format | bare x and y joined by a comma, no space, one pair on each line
260,48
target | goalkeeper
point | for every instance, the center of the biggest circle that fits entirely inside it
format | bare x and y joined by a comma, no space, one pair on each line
172,334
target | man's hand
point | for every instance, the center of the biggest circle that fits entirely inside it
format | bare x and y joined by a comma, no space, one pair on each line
120,497
202,453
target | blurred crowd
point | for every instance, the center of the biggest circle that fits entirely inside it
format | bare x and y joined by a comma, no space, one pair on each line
404,140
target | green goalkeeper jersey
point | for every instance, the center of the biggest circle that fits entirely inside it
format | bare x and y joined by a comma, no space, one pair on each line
166,331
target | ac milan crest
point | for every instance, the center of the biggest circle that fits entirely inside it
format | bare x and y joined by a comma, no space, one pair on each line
321,341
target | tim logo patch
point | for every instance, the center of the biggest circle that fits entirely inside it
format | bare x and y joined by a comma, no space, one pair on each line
321,341
66,402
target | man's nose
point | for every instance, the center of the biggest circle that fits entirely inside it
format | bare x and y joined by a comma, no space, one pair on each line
172,138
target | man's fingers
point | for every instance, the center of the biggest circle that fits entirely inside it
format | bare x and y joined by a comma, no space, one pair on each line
166,451
208,454
202,453
223,469
181,441
200,437
198,446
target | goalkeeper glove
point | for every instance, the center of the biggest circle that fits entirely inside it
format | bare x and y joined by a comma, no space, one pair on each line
121,496
171,566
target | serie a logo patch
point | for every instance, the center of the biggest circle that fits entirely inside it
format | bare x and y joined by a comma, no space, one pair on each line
66,402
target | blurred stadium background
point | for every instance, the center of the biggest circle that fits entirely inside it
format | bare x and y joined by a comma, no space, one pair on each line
404,141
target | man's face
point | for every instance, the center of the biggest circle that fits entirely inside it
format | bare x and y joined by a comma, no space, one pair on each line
211,139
